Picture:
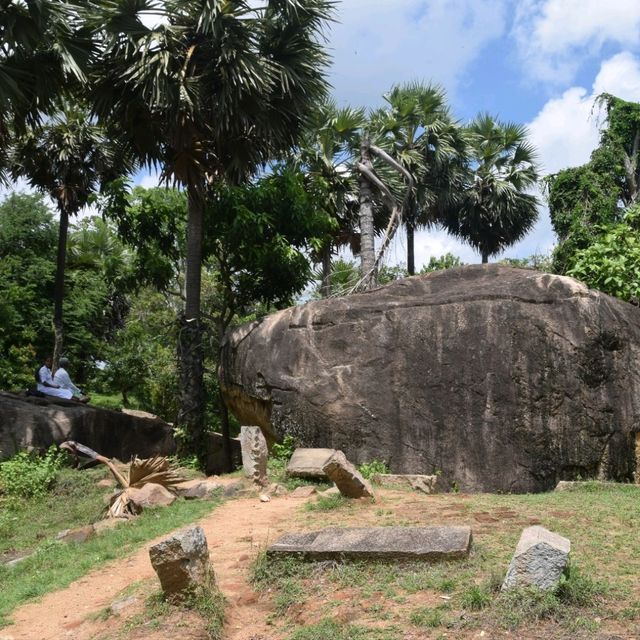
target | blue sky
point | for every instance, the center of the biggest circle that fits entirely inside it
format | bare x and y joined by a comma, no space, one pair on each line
537,62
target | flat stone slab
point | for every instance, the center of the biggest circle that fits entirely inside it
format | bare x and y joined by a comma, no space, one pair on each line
309,463
417,482
572,485
394,543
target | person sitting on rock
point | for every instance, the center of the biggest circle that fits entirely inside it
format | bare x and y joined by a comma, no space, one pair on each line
46,383
63,380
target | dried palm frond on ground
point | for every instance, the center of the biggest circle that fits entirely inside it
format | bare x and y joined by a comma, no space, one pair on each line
141,472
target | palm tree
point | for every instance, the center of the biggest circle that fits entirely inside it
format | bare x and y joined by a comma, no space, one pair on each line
68,159
210,94
325,156
495,208
44,48
418,131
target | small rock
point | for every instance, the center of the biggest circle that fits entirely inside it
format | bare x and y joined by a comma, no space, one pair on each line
278,490
150,495
303,492
264,498
109,523
182,562
539,560
119,605
233,489
332,491
346,477
76,535
198,488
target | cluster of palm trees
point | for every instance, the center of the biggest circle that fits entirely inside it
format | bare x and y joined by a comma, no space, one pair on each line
412,163
210,93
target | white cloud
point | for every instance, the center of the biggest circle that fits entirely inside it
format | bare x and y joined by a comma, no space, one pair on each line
555,36
377,43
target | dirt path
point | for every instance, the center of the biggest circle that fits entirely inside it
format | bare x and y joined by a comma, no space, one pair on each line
236,532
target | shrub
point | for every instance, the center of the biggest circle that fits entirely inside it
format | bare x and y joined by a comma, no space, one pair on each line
27,475
370,469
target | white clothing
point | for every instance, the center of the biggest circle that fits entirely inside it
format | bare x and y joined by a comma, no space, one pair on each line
62,379
44,375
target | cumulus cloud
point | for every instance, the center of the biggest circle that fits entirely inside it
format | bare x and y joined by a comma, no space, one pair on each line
555,36
377,43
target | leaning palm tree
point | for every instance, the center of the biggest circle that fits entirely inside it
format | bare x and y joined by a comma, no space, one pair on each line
325,157
67,159
44,48
416,128
495,209
209,94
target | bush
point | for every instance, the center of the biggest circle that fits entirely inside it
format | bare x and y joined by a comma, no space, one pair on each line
370,469
27,475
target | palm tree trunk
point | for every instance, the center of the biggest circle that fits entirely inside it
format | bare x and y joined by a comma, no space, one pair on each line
58,292
190,353
411,255
367,232
485,257
325,287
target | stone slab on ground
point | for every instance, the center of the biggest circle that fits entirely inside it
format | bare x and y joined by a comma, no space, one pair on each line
346,477
254,454
182,562
418,482
309,463
539,560
303,492
571,485
150,495
82,534
411,543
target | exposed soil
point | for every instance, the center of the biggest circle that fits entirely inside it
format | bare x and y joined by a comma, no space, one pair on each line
236,532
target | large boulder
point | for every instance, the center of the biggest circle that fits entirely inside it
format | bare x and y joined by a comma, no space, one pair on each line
493,378
28,422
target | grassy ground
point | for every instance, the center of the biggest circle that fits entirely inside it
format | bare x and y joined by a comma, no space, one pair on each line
600,594
30,526
113,401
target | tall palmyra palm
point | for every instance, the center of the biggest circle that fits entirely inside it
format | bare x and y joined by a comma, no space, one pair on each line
417,129
496,208
325,156
209,94
44,48
67,158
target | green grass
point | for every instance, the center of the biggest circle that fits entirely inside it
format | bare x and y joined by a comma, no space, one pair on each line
55,565
113,401
327,503
600,584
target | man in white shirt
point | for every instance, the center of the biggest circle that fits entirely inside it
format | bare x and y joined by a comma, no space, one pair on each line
47,385
63,380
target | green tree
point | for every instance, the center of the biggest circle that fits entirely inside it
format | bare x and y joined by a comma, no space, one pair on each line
418,131
44,49
325,156
447,261
586,201
495,208
27,253
209,95
67,158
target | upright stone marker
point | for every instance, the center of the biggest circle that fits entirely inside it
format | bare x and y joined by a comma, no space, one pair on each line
182,562
346,477
254,454
539,560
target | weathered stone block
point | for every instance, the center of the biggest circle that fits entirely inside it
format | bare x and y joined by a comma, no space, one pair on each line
150,495
346,477
198,488
539,560
303,492
182,562
309,463
254,454
416,543
425,484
